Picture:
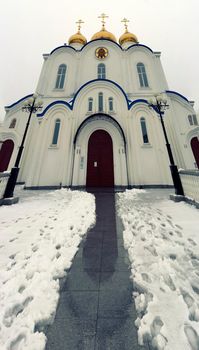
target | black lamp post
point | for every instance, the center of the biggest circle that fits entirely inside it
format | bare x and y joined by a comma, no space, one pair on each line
159,104
30,106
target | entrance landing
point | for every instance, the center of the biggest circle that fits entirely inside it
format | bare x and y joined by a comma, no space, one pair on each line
95,310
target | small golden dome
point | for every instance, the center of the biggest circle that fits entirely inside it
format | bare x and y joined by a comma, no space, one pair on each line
126,37
104,34
77,38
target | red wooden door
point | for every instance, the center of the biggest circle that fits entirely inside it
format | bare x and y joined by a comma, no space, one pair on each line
100,160
195,149
5,154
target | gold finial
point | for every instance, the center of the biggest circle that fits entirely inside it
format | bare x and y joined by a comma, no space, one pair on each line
79,22
103,16
125,21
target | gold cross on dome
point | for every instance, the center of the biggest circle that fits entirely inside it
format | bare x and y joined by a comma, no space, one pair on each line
79,22
125,21
103,16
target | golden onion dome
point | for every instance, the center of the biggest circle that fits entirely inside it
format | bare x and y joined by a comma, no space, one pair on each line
126,37
77,38
104,34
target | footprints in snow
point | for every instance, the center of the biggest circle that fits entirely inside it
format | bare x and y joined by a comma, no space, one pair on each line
17,342
157,337
14,311
192,337
146,277
191,305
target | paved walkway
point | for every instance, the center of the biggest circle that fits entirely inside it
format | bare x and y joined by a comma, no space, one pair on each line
95,310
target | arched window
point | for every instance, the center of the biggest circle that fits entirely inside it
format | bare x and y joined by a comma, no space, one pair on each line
142,75
60,76
101,71
100,101
144,130
110,103
12,124
192,119
56,132
90,104
195,121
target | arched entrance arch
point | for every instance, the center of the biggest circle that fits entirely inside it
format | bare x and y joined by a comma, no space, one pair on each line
195,149
81,149
5,154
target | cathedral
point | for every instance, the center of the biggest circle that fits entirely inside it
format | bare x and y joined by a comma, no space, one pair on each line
95,128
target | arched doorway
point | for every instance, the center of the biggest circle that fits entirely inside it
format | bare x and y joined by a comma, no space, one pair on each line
5,154
100,160
195,149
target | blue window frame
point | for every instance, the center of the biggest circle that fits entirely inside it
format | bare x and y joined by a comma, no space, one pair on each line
100,101
144,130
142,75
101,71
56,132
61,73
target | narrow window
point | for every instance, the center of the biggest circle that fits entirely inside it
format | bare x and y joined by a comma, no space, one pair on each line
190,119
12,124
60,76
142,75
56,132
101,71
195,121
110,103
144,130
100,100
90,104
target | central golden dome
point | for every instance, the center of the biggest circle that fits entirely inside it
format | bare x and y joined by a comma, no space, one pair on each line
104,34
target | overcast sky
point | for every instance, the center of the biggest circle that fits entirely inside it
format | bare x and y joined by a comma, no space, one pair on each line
30,28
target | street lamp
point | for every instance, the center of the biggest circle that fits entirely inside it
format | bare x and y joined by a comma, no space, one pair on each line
159,104
30,106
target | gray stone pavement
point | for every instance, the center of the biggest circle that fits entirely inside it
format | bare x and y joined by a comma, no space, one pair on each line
95,310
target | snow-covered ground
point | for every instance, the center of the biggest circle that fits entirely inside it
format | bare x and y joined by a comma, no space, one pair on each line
39,237
162,238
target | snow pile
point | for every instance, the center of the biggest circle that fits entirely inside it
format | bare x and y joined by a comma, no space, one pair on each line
163,244
38,240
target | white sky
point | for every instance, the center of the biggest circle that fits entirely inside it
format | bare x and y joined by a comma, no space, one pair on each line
30,28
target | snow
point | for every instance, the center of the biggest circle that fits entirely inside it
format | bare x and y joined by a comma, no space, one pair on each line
162,240
38,240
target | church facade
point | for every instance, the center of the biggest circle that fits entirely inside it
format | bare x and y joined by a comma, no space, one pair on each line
96,128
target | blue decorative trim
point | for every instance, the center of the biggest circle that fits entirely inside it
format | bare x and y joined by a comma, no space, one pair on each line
65,46
52,104
15,103
140,100
88,43
177,93
72,102
95,40
71,105
141,45
101,80
91,117
91,41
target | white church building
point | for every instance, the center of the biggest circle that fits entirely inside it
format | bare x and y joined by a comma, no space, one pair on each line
96,128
